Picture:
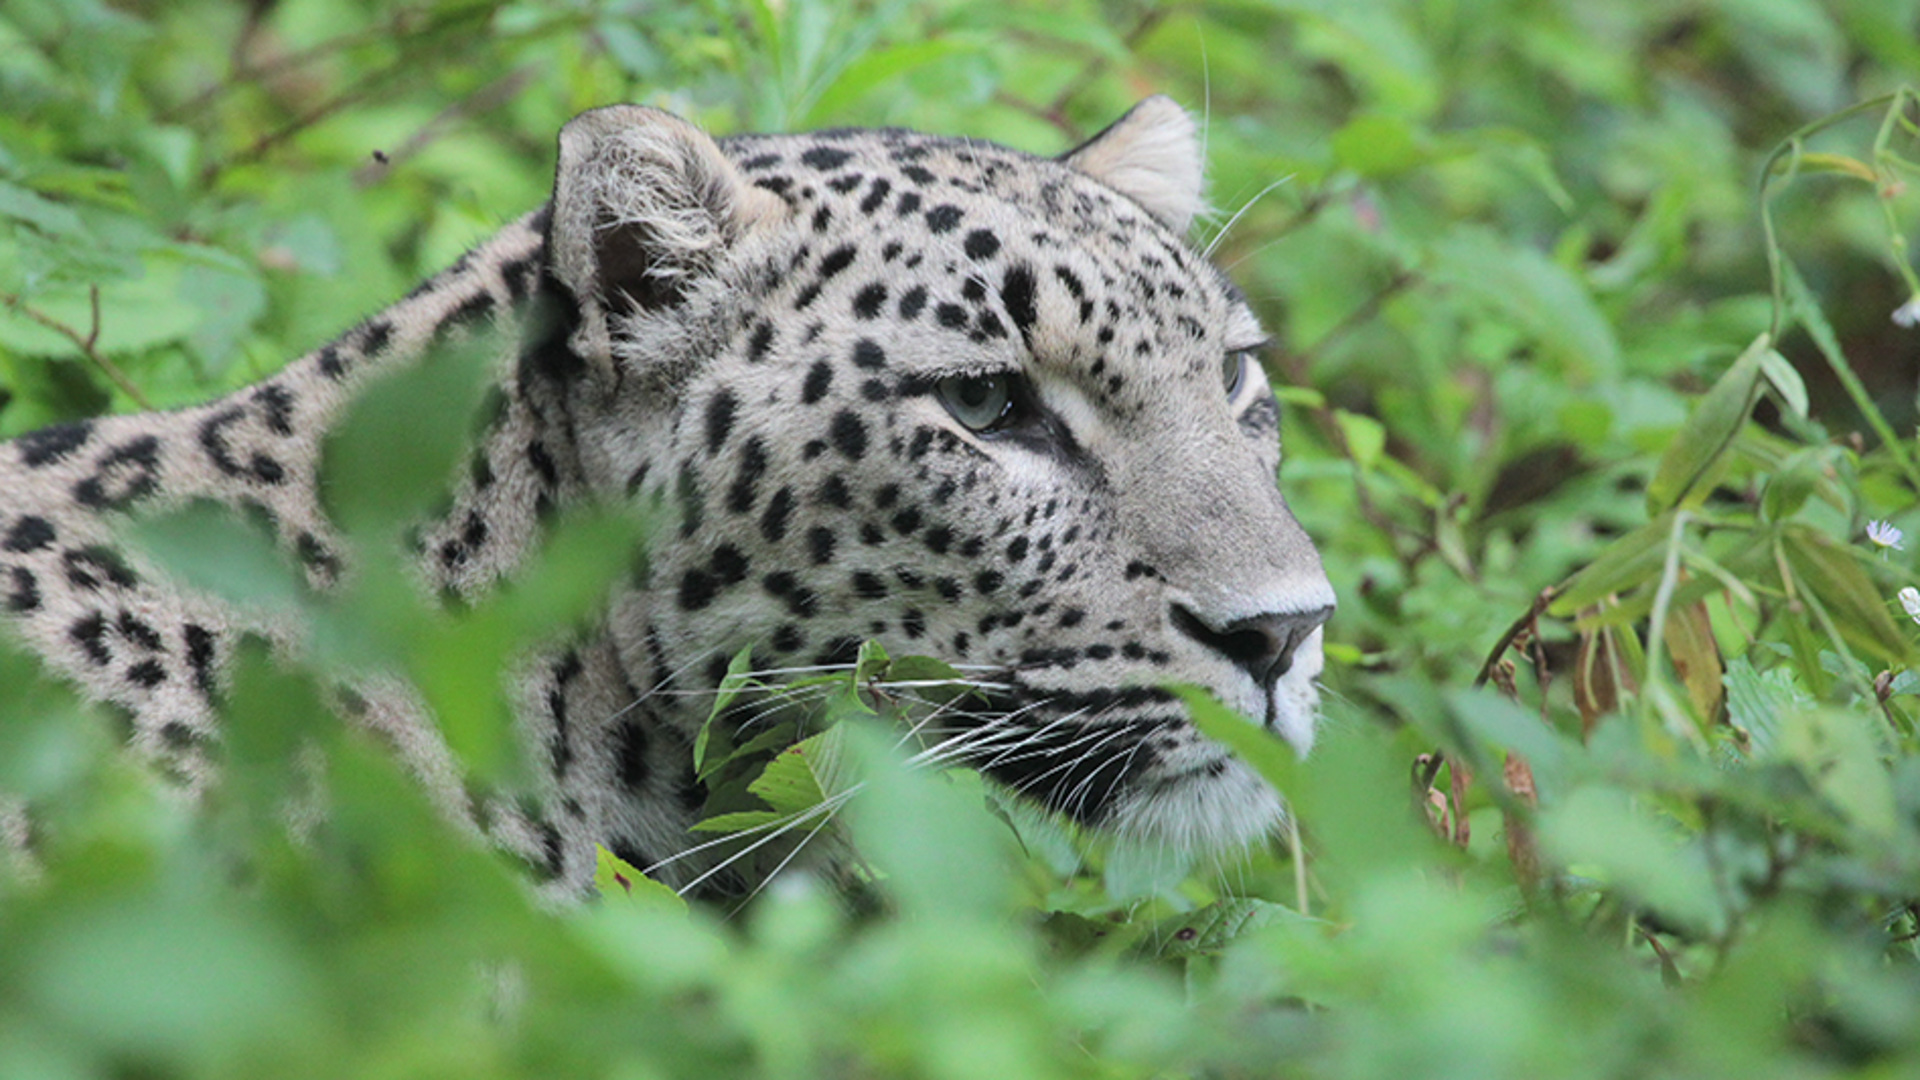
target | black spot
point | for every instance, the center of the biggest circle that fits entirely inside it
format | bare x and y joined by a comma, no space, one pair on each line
787,638
1017,296
918,175
729,564
1099,652
1138,569
869,586
914,622
761,161
147,674
981,244
555,854
1017,550
943,218
839,652
939,539
876,195
868,355
30,533
757,344
122,475
909,202
471,310
849,435
90,634
906,521
871,535
825,158
949,589
687,494
846,182
746,480
374,337
837,260
693,793
720,411
48,445
542,463
94,565
24,594
139,632
200,658
177,735
912,301
773,523
951,316
630,750
868,301
833,492
874,390
632,856
820,544
819,379
332,364
696,590
988,580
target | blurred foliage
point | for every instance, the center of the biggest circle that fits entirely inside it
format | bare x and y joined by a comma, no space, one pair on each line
1620,776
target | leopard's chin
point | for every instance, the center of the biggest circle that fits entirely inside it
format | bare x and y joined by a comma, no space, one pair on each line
1217,809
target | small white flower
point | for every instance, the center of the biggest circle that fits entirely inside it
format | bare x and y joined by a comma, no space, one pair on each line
1884,534
1910,599
1908,314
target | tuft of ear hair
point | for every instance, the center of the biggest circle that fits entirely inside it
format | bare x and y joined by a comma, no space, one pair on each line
1152,156
644,205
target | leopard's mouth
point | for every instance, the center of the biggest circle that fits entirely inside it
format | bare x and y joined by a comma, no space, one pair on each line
1127,761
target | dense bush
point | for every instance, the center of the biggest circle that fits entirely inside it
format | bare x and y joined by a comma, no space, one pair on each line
1584,313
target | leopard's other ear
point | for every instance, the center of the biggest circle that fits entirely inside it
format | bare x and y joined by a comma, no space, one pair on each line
1152,156
644,205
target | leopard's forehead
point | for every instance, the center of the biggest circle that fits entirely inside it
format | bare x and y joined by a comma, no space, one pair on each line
1001,250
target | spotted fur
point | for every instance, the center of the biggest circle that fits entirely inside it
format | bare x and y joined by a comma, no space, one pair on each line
755,332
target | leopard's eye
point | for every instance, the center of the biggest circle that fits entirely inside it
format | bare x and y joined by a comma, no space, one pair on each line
1233,371
981,402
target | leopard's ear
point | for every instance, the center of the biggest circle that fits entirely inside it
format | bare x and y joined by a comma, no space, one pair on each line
1152,156
644,205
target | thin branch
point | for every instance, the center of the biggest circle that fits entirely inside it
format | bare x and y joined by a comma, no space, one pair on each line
1520,626
87,343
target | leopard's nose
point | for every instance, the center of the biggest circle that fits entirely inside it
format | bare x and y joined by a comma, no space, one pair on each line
1261,645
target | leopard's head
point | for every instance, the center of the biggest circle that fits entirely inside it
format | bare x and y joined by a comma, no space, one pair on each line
973,403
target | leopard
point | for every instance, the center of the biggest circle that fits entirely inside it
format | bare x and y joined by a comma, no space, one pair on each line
928,391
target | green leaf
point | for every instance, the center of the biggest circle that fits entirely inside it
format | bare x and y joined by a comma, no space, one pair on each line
1833,573
1213,928
738,678
803,775
51,218
1785,381
618,880
1627,563
1379,145
1607,833
1757,700
1365,437
1273,758
1700,442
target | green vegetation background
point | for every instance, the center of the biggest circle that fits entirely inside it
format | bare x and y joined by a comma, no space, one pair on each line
1535,336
